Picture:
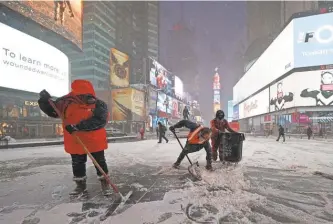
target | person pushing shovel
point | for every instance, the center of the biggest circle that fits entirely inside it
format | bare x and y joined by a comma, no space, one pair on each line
84,117
197,139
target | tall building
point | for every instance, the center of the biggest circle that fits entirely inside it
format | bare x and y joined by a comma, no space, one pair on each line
265,21
130,27
99,36
153,22
181,58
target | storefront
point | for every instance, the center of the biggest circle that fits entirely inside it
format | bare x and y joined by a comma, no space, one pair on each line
20,116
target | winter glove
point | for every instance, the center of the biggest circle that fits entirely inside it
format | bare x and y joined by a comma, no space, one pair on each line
44,95
71,128
172,128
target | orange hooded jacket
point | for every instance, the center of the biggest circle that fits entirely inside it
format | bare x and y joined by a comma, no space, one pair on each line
74,113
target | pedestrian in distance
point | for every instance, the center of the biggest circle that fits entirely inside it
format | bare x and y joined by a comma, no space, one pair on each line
157,132
86,116
309,132
281,133
186,113
197,139
162,130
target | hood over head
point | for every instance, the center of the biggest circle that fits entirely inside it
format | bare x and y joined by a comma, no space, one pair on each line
82,87
219,114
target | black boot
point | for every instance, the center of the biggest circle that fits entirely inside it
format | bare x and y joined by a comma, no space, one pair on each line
81,186
106,188
214,155
209,166
176,165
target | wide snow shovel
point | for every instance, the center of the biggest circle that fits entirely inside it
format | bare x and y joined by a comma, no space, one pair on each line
193,168
121,199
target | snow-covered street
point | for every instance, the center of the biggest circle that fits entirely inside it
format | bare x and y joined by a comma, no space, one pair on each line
274,183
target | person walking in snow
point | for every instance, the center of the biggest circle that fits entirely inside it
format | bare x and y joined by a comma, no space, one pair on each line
281,133
309,132
186,113
86,116
197,139
162,130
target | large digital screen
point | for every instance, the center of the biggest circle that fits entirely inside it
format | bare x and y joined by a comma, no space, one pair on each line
164,103
62,17
276,60
152,101
160,77
179,87
311,88
29,64
256,105
119,68
313,40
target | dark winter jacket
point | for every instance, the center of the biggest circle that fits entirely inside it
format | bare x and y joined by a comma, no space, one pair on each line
281,130
309,131
162,129
186,112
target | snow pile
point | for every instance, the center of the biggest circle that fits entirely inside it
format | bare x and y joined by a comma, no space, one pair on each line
221,195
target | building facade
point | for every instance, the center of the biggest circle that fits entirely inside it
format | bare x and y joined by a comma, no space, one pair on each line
265,21
291,82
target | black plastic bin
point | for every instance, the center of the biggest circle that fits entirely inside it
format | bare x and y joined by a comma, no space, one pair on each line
232,146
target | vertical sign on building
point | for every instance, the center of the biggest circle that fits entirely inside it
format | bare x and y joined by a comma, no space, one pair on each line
230,111
216,89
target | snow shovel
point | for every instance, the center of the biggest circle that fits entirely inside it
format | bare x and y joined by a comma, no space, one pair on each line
121,199
193,169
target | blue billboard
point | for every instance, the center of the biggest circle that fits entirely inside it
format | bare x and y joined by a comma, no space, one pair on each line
313,40
236,112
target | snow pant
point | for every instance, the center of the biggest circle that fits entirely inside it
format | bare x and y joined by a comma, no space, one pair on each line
79,164
141,134
190,149
284,139
217,147
162,135
309,136
186,117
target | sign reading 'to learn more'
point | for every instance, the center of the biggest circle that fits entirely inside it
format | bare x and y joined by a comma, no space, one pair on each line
29,64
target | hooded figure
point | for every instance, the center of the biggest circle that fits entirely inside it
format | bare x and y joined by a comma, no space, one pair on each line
86,116
218,126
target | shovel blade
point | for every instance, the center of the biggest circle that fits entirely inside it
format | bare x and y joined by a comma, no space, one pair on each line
194,170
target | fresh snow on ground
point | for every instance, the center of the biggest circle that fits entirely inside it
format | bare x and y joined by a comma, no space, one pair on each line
258,190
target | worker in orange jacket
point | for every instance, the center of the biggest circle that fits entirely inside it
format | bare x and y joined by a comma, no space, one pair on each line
197,139
218,126
86,116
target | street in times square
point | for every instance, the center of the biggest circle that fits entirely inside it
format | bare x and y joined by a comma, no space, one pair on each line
119,113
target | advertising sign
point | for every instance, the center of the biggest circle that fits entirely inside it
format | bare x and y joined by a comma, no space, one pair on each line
230,110
179,87
127,104
160,77
276,61
164,103
313,40
216,82
216,107
258,104
175,111
62,17
152,101
236,112
119,68
29,64
217,99
313,88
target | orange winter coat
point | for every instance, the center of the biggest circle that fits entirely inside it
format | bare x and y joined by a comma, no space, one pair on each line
74,113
